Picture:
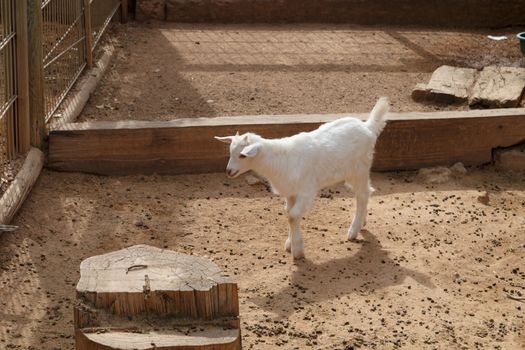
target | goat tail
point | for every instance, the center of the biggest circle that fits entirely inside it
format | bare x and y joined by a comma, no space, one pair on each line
376,121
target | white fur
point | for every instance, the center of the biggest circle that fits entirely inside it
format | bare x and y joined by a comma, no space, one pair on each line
297,167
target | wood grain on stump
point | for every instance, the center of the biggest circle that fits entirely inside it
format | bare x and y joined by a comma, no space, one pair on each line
148,298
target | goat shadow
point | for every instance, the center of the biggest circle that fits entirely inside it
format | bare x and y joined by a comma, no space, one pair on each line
364,272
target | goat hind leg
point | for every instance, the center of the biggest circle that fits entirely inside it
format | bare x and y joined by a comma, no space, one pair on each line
290,202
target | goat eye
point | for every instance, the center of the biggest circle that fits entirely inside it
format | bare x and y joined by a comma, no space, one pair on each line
242,156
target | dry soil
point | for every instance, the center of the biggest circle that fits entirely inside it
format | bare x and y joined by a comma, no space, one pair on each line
437,266
163,71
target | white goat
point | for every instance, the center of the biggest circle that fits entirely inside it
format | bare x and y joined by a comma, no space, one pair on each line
297,167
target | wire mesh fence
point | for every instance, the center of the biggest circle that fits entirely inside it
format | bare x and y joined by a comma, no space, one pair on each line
102,11
71,31
8,81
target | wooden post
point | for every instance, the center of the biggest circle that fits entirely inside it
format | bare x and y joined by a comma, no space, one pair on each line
23,125
89,33
124,11
36,73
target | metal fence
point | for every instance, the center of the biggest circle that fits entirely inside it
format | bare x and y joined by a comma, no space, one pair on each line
8,81
67,32
102,11
64,49
71,31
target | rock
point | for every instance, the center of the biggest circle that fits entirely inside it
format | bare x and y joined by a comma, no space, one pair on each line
447,85
252,180
420,93
484,198
150,9
498,87
511,159
437,175
458,169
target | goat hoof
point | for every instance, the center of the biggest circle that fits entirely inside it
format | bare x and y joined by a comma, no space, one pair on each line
352,236
298,255
288,245
298,251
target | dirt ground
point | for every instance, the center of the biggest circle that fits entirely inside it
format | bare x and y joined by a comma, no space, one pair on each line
436,267
163,71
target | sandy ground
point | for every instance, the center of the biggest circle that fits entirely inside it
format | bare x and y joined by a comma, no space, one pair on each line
434,269
163,71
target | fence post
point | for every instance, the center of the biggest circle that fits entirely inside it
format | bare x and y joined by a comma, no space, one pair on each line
36,73
23,125
124,11
88,33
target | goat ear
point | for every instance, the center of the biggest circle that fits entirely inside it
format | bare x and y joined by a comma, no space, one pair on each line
251,150
225,139
237,133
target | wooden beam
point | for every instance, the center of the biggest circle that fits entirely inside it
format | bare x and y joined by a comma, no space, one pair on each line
23,125
184,146
36,72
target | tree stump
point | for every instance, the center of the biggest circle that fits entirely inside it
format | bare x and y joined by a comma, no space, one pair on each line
148,298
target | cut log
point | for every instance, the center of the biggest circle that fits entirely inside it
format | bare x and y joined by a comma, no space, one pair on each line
202,338
139,296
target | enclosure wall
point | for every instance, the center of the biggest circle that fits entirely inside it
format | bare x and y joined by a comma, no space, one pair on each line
465,13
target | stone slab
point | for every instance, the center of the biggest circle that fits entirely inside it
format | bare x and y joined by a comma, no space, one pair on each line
498,87
447,85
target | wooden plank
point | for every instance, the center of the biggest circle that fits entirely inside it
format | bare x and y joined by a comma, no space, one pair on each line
410,141
23,125
36,73
18,190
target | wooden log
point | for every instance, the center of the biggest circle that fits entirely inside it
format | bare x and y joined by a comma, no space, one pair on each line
86,86
36,73
184,146
18,190
200,339
144,297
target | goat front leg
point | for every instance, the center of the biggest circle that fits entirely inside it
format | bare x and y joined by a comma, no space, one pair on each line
295,214
296,239
362,194
290,202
